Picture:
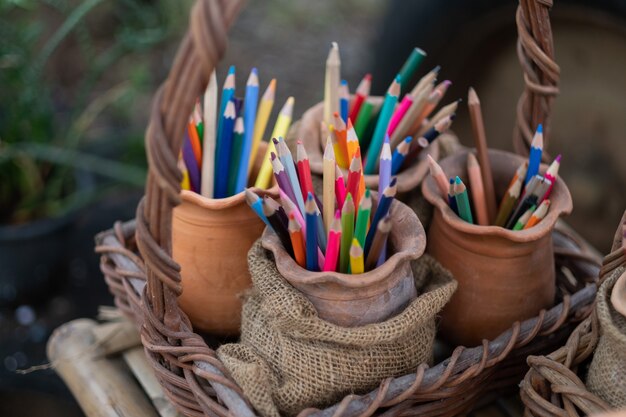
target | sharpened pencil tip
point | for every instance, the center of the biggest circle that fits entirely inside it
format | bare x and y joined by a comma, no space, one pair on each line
231,69
457,180
558,158
368,76
540,128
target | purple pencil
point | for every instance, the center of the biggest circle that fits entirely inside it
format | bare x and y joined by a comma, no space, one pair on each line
191,164
281,177
384,172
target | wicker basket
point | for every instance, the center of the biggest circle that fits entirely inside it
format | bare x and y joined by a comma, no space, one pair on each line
146,286
553,384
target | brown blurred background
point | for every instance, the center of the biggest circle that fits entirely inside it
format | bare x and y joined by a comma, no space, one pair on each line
77,77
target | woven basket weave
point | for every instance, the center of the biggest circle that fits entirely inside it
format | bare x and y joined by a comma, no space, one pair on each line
146,286
553,384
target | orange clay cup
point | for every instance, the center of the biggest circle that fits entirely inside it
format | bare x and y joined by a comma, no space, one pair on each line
372,297
504,276
211,239
314,140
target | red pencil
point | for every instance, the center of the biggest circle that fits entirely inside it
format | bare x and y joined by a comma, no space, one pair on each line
304,170
362,92
334,240
340,187
354,178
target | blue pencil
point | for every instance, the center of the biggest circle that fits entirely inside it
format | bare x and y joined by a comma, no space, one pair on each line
536,152
227,93
399,155
225,147
344,100
311,234
284,154
249,118
384,203
451,198
255,202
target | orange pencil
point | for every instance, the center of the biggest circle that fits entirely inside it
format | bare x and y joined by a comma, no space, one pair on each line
477,190
341,133
538,214
352,141
195,141
297,240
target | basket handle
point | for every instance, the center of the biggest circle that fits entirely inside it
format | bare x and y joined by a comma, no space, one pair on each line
535,50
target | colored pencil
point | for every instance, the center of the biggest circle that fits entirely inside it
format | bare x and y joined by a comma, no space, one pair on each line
363,218
222,158
209,137
384,204
400,154
451,197
255,202
480,141
462,200
249,119
361,94
444,112
552,174
236,157
185,183
352,140
357,264
340,152
508,202
310,211
439,176
340,187
429,137
411,65
196,146
427,80
429,105
290,208
354,178
281,177
403,128
521,222
538,215
228,91
193,170
379,238
341,133
334,243
344,100
278,220
536,152
400,112
284,154
477,190
331,83
328,184
347,233
297,241
519,173
197,119
384,171
304,169
283,121
362,180
263,115
373,152
363,120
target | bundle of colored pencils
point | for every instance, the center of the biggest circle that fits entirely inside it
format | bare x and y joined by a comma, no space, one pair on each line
343,231
220,145
526,200
396,122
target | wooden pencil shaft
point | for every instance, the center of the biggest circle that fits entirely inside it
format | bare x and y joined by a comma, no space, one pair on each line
378,242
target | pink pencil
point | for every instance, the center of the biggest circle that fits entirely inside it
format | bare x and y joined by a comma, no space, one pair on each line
340,188
407,101
332,247
552,174
290,208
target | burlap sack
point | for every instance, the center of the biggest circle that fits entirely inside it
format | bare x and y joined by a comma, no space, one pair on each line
289,359
607,372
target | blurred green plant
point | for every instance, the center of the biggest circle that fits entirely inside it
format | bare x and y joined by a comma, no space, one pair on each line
73,79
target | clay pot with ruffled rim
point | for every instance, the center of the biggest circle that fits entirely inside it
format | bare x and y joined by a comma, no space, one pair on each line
504,276
210,241
309,130
372,297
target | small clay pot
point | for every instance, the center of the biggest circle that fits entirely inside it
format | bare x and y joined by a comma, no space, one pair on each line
372,297
211,239
503,275
314,141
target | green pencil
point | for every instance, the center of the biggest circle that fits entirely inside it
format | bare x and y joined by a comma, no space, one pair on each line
235,156
521,222
347,232
410,66
462,201
363,217
363,119
389,105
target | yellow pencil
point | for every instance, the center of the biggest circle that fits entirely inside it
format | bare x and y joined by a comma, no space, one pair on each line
185,184
262,116
357,263
283,121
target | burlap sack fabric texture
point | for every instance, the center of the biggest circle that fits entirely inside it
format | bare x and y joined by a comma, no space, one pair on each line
289,359
607,372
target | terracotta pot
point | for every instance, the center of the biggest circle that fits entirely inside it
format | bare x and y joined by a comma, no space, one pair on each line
211,239
371,297
618,295
504,275
314,140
